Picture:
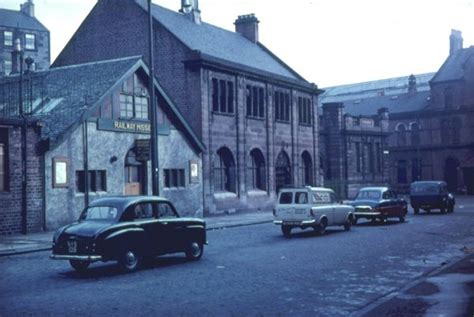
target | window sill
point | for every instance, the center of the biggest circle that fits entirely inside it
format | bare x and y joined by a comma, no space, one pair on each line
305,124
257,192
282,121
174,188
226,114
256,118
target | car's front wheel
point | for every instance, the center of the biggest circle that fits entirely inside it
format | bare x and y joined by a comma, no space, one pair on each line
322,226
286,230
129,260
348,224
79,266
194,251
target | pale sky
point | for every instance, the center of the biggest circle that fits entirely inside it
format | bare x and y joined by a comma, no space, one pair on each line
329,42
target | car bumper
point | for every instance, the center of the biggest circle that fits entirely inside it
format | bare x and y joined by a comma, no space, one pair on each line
367,214
85,258
295,223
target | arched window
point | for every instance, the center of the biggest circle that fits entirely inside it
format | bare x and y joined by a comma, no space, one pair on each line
306,167
257,170
415,133
282,170
224,171
401,134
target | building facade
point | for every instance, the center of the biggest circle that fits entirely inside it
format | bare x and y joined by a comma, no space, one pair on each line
431,120
352,149
92,140
21,27
255,115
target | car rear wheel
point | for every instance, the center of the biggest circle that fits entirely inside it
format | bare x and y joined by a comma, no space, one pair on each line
194,251
129,260
79,266
286,230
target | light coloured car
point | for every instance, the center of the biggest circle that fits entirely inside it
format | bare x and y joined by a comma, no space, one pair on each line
310,207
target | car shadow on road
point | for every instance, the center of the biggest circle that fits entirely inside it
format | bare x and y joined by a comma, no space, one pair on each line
311,233
111,269
432,213
379,223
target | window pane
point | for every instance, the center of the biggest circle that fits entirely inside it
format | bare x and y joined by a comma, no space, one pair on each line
230,99
223,96
254,101
30,42
261,107
182,182
215,95
167,178
8,38
7,67
287,107
249,100
80,181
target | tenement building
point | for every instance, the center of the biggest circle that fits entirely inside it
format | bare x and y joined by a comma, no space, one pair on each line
431,120
22,29
352,148
88,136
254,114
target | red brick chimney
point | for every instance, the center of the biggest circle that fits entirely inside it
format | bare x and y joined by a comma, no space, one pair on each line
247,25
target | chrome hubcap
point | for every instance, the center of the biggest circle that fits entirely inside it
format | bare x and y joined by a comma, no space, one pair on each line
195,249
130,258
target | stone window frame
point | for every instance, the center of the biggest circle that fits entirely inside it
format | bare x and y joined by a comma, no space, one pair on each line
134,100
8,39
30,41
415,133
58,174
305,113
174,178
255,101
223,92
282,108
225,176
306,169
97,181
401,132
257,170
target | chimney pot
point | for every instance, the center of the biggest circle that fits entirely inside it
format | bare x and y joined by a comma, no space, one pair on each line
455,41
28,8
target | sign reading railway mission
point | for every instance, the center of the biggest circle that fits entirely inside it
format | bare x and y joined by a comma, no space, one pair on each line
124,126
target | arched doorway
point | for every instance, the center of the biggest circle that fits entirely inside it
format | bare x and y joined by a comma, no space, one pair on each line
135,174
224,172
282,170
451,173
306,169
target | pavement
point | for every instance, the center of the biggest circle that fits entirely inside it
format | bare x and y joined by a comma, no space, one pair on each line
445,291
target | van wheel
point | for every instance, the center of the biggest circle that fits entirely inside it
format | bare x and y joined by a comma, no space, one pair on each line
79,266
286,230
194,251
129,260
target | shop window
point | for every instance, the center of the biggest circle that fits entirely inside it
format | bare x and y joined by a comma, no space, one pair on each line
222,96
97,181
282,106
174,178
30,41
8,38
304,110
255,102
224,171
4,160
257,170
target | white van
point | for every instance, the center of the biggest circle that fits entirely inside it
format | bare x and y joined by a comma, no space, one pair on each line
311,207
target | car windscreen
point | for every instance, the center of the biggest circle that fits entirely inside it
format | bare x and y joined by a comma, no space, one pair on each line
425,189
99,213
368,195
321,197
286,198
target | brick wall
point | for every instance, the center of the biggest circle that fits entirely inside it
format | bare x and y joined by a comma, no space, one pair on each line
11,201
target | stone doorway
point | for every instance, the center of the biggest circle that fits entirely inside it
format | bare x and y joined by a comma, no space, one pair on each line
135,174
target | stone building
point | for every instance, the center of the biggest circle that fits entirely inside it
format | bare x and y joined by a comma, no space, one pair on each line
255,115
33,37
431,120
93,117
352,149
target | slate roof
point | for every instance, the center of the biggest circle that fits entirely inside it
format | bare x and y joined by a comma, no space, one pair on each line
64,96
219,43
370,89
452,68
13,19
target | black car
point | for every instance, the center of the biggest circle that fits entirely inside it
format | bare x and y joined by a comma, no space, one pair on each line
379,203
428,195
127,230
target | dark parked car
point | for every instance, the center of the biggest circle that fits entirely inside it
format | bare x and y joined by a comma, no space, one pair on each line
428,195
379,203
128,229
